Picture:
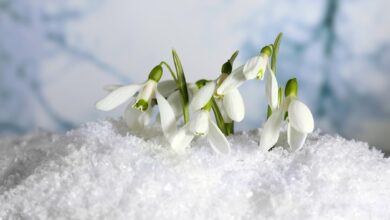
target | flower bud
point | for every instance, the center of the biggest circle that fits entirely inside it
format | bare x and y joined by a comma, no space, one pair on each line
227,67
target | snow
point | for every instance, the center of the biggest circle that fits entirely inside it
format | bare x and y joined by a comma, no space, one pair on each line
103,171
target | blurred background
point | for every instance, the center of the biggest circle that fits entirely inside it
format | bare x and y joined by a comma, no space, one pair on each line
55,56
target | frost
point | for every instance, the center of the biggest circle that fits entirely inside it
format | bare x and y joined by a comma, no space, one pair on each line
102,171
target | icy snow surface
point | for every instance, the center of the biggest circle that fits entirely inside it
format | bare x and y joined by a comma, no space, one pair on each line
102,171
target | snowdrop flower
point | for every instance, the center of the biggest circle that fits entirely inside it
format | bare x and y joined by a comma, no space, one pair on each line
300,124
139,112
231,105
201,124
300,120
254,68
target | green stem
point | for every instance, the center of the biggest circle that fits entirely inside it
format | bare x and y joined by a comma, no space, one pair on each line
229,128
218,117
170,70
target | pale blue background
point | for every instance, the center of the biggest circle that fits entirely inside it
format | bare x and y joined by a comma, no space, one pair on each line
55,56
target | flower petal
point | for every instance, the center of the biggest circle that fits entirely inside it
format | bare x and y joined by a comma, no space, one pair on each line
233,81
300,116
286,102
192,90
145,117
148,91
199,122
110,88
217,139
295,138
234,105
203,96
131,117
252,67
181,140
167,116
175,101
117,97
166,87
270,134
271,89
224,114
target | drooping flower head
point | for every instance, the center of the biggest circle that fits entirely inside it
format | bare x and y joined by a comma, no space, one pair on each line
201,124
254,68
139,111
298,115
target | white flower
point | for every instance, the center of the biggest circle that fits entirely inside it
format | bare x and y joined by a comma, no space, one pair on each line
139,112
300,124
136,118
254,68
300,120
232,104
201,124
232,81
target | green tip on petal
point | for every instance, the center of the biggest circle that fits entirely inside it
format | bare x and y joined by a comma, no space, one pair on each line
226,67
156,73
141,105
267,50
200,83
291,88
260,74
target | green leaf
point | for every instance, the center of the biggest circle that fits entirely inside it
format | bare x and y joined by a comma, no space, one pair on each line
276,51
182,85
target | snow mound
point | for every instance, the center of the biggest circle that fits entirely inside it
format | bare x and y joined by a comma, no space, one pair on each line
101,171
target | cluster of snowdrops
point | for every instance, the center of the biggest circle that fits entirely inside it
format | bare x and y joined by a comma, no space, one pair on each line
185,108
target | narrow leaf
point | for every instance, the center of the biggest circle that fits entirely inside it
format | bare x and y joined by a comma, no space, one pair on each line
182,85
275,51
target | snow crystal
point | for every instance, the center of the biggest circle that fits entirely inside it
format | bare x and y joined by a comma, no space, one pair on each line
103,171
